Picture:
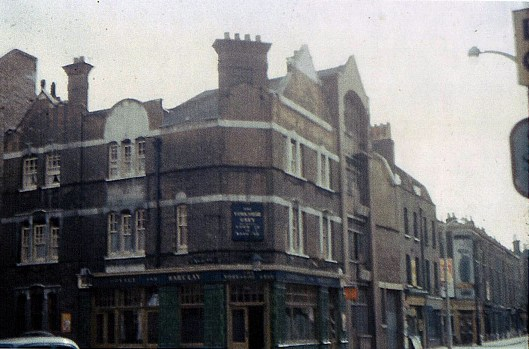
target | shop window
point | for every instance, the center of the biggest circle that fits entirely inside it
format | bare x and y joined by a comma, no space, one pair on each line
53,170
39,241
125,317
360,311
36,309
300,311
29,173
192,314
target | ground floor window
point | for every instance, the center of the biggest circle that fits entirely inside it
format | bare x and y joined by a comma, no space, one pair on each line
192,314
126,316
37,308
300,311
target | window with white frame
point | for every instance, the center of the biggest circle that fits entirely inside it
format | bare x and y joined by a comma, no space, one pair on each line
294,157
113,160
39,242
325,237
126,159
296,229
300,310
126,148
140,230
53,170
181,229
324,171
29,173
125,236
140,155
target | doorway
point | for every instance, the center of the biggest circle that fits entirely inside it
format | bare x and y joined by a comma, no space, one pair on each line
247,327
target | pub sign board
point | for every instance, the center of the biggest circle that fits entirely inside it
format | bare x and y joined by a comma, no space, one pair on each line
247,221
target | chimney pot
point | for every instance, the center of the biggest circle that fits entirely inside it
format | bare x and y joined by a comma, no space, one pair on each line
52,90
237,36
258,38
42,84
227,35
247,37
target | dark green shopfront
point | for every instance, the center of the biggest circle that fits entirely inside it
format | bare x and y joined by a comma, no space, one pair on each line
236,309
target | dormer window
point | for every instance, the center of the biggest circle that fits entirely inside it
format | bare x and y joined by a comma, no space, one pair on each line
126,159
29,174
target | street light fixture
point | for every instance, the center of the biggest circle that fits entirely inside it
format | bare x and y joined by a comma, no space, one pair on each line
475,52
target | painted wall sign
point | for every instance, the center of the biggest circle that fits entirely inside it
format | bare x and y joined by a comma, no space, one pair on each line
247,221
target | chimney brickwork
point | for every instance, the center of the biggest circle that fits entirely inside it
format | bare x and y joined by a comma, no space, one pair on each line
78,82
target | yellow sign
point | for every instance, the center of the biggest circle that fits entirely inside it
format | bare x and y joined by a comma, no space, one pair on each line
66,322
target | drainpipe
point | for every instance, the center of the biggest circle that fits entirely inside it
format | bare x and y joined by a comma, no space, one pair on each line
158,164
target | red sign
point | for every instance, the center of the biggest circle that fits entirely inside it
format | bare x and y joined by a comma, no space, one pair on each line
351,293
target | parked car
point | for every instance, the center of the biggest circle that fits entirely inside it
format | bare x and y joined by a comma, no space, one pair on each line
46,342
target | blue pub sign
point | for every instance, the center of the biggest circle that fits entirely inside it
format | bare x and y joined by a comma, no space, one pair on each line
247,222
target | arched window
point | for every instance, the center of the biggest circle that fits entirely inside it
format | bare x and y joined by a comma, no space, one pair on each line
356,119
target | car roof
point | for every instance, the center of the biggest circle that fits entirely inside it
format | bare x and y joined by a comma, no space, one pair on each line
22,342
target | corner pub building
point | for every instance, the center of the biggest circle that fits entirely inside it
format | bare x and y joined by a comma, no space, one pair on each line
233,220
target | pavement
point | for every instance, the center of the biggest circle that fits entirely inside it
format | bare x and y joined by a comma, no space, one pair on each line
511,343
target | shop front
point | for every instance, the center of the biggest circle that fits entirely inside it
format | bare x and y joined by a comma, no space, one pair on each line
236,309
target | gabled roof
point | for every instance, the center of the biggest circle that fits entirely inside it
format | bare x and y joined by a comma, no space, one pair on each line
203,106
411,184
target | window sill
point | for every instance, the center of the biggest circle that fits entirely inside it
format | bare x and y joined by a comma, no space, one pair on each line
23,264
125,177
51,186
181,252
296,176
326,188
407,236
23,190
417,239
297,254
330,261
125,256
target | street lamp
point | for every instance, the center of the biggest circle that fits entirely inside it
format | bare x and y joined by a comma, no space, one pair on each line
447,296
475,52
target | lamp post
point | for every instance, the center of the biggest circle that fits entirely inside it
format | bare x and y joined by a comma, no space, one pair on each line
475,52
447,296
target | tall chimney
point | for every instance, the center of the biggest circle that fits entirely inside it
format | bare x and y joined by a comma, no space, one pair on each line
516,247
382,142
241,61
78,81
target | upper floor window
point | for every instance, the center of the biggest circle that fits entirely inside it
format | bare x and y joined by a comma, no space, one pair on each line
434,237
39,242
326,237
181,229
53,170
295,231
294,157
29,173
126,159
415,225
126,235
140,155
406,222
324,171
425,231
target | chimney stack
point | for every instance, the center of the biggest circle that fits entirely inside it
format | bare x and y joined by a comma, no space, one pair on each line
516,247
241,61
78,82
382,142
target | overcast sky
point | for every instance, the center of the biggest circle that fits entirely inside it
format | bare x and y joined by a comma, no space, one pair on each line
451,116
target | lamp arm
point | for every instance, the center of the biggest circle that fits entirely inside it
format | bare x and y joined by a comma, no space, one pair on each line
504,54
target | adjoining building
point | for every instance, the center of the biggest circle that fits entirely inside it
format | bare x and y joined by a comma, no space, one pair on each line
490,301
406,243
233,220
